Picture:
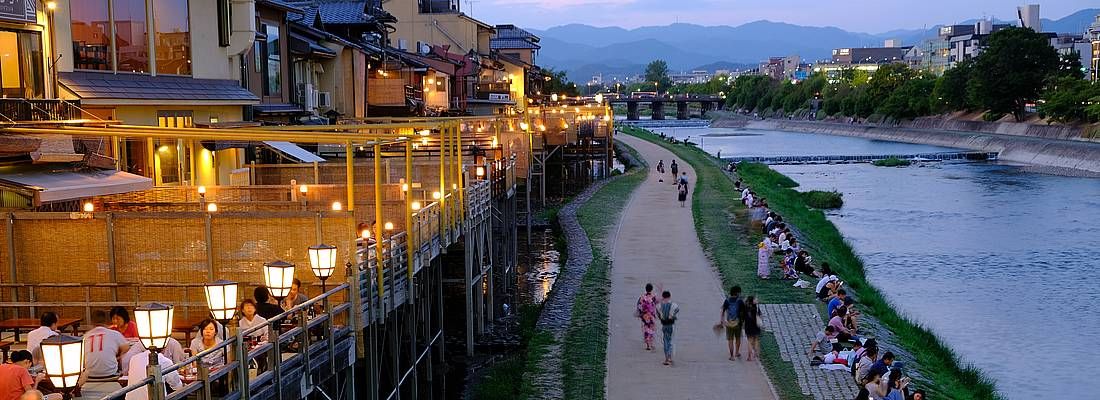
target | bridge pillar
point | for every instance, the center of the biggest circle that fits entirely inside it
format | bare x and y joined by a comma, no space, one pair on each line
632,113
658,110
704,107
682,110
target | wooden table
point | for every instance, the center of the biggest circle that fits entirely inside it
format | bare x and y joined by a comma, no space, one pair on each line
187,327
28,324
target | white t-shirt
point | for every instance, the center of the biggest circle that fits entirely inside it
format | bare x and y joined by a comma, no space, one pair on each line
212,360
35,337
101,352
139,370
824,281
174,351
257,320
135,347
744,193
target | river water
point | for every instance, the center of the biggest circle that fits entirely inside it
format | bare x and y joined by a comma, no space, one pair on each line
1000,263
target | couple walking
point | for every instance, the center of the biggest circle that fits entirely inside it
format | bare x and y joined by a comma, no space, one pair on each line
737,316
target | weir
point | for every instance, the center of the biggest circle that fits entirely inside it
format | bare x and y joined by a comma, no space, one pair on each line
850,159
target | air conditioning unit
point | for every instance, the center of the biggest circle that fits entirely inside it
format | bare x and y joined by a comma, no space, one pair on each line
425,48
324,99
402,44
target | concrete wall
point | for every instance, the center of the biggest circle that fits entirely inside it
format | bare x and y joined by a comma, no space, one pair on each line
1071,154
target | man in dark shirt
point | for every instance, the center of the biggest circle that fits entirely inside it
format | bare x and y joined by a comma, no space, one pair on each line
882,366
264,307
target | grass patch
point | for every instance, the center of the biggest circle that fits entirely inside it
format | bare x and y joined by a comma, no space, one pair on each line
822,199
504,379
585,348
891,162
727,243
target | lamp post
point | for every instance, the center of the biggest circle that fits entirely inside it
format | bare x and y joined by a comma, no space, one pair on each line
221,299
322,259
279,276
154,323
63,356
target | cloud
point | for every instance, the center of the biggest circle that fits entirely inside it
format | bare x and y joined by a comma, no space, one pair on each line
561,4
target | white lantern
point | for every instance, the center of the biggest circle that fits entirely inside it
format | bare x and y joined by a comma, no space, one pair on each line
154,323
221,298
322,259
279,276
63,356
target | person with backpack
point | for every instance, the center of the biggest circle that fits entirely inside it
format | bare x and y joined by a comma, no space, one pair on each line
675,169
666,313
731,320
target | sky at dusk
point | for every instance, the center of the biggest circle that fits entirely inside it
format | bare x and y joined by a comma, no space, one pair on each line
869,16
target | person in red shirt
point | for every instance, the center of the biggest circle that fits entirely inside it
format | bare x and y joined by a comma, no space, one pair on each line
120,319
15,379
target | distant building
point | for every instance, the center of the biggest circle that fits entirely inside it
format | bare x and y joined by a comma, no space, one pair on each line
692,77
1093,35
1029,17
869,55
892,43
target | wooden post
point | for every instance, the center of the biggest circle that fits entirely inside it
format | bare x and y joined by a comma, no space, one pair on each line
378,222
350,166
460,171
409,239
207,222
111,262
443,175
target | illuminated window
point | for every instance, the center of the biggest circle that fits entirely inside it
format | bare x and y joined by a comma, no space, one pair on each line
21,64
113,35
273,70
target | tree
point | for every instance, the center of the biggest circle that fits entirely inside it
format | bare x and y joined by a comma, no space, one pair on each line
1070,65
1011,71
559,83
910,100
657,71
1066,99
950,92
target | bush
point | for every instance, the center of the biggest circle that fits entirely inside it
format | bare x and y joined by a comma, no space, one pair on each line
891,162
822,199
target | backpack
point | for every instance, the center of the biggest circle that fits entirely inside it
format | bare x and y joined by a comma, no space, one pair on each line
733,309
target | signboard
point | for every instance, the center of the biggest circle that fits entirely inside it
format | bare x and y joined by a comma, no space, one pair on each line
18,10
492,96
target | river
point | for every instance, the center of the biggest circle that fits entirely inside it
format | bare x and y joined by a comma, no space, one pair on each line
998,262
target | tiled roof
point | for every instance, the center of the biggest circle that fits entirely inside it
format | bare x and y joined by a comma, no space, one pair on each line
514,32
98,85
339,12
512,43
283,4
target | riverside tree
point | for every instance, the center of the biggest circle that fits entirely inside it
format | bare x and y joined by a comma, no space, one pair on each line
657,71
1012,71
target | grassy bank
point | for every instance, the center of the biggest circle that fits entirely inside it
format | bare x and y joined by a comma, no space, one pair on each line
585,354
728,243
504,379
822,199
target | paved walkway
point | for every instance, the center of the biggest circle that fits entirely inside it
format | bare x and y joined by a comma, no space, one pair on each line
656,242
794,326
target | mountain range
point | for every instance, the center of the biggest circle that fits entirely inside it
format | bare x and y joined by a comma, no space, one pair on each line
585,51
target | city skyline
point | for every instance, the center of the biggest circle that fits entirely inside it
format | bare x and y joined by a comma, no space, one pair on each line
866,16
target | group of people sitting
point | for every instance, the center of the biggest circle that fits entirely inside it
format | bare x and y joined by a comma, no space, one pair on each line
877,375
113,350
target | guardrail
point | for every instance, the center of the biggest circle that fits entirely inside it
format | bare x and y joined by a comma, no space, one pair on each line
311,338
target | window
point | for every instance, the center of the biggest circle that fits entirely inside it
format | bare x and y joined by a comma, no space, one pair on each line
273,70
131,35
172,37
113,35
91,33
20,64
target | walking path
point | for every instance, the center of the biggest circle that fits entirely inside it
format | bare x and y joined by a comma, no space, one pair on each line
656,242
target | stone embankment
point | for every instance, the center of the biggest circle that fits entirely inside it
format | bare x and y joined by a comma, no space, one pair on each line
1061,156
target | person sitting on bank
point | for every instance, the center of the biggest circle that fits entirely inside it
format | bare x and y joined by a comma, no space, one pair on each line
823,339
836,302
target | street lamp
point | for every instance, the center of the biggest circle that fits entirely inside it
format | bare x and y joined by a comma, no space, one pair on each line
221,299
154,323
279,276
322,259
63,356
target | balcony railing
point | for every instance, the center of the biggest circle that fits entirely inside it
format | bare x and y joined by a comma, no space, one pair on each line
21,110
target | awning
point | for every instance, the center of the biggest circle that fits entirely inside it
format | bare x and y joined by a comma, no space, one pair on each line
302,45
293,151
52,184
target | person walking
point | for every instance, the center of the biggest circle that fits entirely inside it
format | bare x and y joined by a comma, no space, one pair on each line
731,320
660,170
675,169
667,313
682,194
647,312
752,321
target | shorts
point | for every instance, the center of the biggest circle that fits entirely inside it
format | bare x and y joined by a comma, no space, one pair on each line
733,333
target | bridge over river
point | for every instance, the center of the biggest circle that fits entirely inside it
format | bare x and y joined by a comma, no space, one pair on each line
657,104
